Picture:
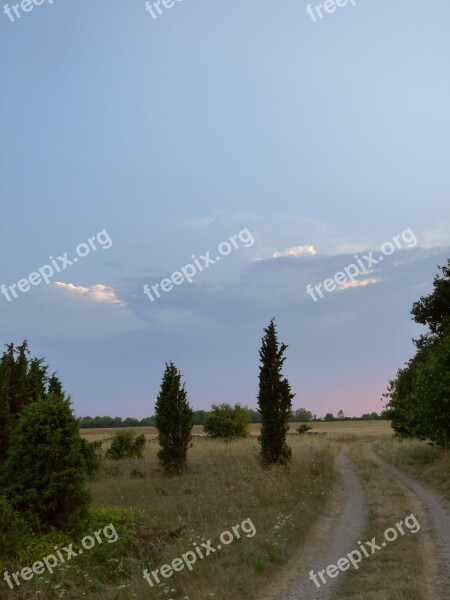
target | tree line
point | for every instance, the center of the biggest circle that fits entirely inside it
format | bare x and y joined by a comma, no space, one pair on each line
300,415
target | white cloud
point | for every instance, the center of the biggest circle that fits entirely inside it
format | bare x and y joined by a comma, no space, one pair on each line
296,251
98,293
358,283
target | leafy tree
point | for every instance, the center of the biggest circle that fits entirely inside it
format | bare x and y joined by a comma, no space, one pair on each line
434,310
44,474
199,416
419,398
340,415
329,417
274,400
301,415
173,417
227,422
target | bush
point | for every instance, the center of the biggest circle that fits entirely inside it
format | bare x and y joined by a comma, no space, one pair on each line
44,474
303,428
137,474
126,444
14,531
227,422
92,455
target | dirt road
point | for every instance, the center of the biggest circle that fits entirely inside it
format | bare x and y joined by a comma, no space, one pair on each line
337,532
334,535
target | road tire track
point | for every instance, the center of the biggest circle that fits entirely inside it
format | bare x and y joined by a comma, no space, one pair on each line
333,536
436,551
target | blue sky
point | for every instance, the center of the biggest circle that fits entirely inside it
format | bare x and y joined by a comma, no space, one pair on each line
173,134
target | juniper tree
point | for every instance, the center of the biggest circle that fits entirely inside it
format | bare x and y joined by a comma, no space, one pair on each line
173,418
44,474
23,380
274,400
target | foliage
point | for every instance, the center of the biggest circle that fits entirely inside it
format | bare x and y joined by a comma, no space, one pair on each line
304,427
419,397
44,474
91,452
14,531
23,380
174,422
300,415
274,400
125,444
227,422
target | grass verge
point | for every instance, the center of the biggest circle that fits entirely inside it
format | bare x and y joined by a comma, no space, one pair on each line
159,518
419,460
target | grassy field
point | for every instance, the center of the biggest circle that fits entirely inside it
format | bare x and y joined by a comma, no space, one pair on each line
356,428
159,518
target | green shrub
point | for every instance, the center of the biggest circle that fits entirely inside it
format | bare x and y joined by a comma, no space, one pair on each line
44,474
303,428
92,455
227,422
126,444
14,531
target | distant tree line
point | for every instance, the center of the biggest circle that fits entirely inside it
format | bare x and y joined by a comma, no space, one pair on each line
300,415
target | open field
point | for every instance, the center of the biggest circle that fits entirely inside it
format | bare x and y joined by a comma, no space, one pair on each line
335,493
223,487
357,428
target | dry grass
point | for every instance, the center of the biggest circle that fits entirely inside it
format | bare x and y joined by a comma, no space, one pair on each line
353,428
395,571
224,486
420,460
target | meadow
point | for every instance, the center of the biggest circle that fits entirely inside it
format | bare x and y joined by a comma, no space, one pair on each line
160,518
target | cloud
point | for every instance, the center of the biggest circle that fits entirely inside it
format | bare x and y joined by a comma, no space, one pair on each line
68,311
437,237
358,283
296,251
98,293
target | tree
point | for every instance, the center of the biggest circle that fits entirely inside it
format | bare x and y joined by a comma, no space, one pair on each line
434,310
44,474
22,381
301,415
340,415
227,422
419,397
173,417
274,400
329,417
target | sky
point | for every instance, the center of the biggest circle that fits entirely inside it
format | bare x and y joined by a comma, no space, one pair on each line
312,142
